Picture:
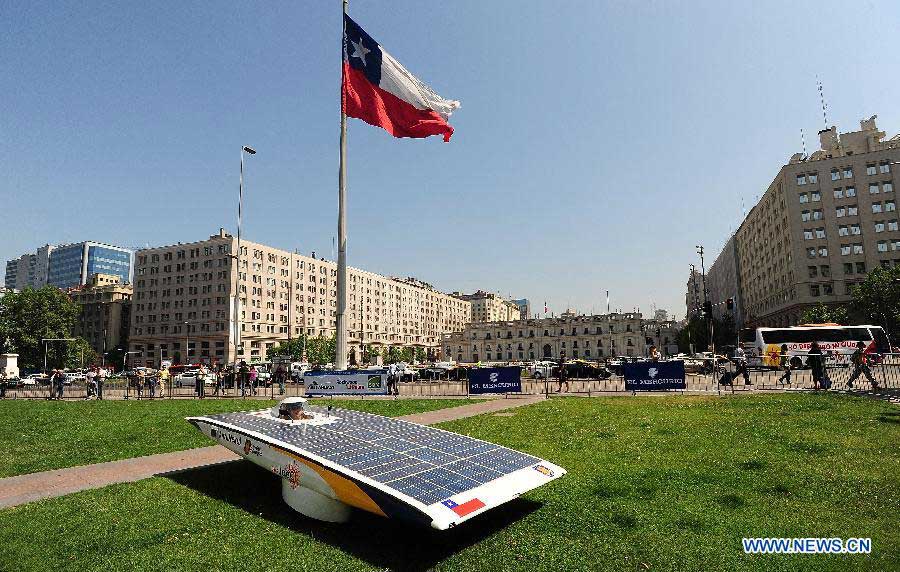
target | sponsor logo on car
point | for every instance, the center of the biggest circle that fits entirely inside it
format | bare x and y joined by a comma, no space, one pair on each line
543,470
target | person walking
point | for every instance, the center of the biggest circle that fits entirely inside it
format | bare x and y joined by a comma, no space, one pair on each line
654,354
740,362
280,378
816,362
101,375
243,377
860,367
91,383
163,378
392,379
59,382
2,384
200,383
785,363
140,380
563,378
217,377
254,376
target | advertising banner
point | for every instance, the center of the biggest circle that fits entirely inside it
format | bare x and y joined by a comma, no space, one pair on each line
495,380
353,382
653,376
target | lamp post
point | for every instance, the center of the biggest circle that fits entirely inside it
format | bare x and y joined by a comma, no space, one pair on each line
237,256
125,369
45,340
707,307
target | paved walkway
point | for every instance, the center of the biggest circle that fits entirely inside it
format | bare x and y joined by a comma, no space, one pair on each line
48,484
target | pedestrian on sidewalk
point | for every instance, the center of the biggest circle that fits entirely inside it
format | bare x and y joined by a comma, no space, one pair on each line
140,383
816,362
280,378
58,382
562,378
2,384
254,376
91,383
654,354
163,378
243,377
217,376
740,362
101,375
785,363
860,367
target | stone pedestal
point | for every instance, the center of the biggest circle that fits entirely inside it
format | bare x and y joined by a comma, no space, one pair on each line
9,364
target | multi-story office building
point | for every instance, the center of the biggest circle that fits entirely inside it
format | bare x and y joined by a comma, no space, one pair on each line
490,307
575,337
693,299
105,312
28,270
824,222
184,298
723,282
72,265
524,308
68,266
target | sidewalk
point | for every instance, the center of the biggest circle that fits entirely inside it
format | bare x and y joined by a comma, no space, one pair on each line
23,489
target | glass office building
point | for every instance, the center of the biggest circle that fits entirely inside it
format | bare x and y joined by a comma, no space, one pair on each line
72,265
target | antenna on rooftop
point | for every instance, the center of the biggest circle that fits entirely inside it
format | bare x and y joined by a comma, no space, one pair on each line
803,141
822,99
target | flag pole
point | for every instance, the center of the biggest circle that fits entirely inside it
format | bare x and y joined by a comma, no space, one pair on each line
340,362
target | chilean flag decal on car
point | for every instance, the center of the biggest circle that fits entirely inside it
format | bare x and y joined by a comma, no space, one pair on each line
381,92
464,508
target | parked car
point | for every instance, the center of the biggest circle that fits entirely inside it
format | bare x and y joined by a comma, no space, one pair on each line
541,369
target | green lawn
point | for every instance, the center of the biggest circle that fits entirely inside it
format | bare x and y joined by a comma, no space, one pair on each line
42,435
654,484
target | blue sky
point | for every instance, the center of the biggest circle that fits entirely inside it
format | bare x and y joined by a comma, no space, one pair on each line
597,143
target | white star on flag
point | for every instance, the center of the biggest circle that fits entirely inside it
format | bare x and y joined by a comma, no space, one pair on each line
359,51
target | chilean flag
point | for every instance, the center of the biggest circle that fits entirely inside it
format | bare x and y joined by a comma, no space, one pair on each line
381,92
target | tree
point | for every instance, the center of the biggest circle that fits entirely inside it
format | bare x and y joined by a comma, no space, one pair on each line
371,354
31,315
823,314
293,349
877,299
420,355
79,353
320,351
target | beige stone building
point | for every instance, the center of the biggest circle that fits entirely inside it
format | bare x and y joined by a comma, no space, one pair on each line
490,307
578,337
184,297
105,312
825,221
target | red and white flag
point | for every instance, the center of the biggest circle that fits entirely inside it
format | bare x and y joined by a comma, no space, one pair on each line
381,92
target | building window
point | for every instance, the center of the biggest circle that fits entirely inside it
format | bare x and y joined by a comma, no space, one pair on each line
892,224
813,271
814,290
835,175
848,268
848,172
823,251
845,250
839,193
804,198
807,234
873,188
820,233
884,167
852,211
890,206
860,267
817,214
816,196
857,249
827,289
805,216
882,246
879,226
887,187
870,169
811,252
813,178
840,212
895,245
825,270
854,229
801,179
843,231
851,191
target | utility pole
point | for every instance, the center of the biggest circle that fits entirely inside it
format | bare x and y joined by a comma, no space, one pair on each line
707,305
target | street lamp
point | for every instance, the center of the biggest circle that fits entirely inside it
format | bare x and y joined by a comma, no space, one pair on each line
125,368
707,307
45,340
237,257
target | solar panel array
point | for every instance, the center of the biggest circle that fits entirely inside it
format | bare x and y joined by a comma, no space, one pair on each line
426,464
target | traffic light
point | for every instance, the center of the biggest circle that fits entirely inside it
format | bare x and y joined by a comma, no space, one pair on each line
729,303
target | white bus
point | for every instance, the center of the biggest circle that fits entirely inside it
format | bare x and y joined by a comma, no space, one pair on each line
762,346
